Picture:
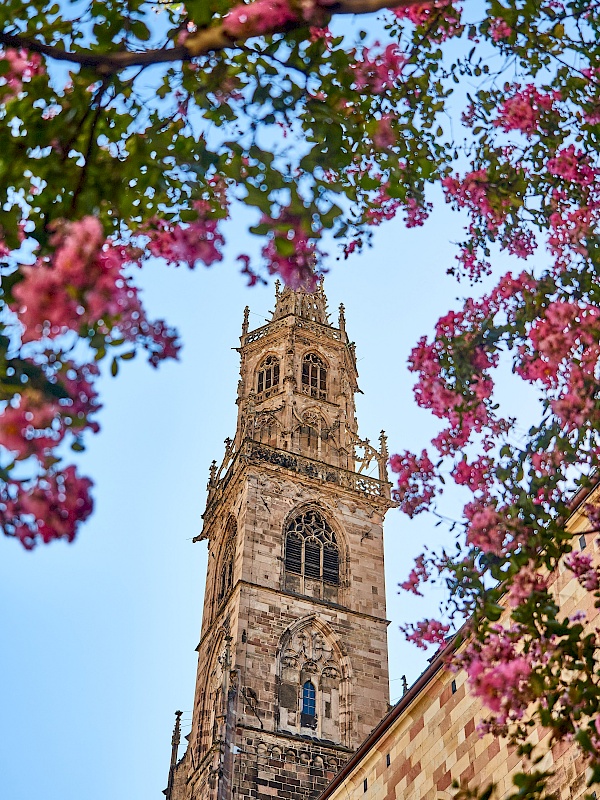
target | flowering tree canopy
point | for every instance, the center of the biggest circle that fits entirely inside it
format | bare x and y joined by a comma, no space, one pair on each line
131,129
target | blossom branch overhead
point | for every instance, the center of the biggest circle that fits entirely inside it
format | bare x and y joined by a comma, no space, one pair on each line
358,136
207,40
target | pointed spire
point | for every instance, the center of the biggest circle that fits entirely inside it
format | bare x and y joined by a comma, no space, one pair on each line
212,476
342,318
383,448
246,323
175,739
384,457
308,305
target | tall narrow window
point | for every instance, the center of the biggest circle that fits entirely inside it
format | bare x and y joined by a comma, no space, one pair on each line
314,376
311,548
268,375
309,705
226,574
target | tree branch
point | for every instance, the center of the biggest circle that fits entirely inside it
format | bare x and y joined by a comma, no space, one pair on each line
202,42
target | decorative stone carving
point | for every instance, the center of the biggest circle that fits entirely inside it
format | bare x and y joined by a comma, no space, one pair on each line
310,654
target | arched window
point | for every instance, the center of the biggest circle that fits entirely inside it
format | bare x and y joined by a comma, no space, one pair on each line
311,548
309,700
268,374
226,574
314,376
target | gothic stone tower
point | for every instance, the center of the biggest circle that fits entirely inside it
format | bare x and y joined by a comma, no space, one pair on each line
292,660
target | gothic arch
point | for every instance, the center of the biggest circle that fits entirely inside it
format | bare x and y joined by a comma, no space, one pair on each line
314,574
315,375
310,653
211,701
266,428
267,379
313,435
225,563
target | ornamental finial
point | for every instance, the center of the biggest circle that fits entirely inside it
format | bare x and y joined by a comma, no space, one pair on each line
342,318
383,445
246,323
175,739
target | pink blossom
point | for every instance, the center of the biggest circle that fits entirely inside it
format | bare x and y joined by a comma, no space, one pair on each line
27,428
416,213
383,207
499,29
22,67
258,17
378,71
83,284
51,507
484,529
187,243
586,573
428,631
500,675
572,165
321,34
442,12
291,252
33,424
522,109
524,583
419,574
473,192
476,476
416,475
520,243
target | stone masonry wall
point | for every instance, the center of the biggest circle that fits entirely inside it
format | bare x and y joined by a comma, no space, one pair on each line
435,740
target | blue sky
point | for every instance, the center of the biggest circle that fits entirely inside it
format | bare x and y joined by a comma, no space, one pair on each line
98,637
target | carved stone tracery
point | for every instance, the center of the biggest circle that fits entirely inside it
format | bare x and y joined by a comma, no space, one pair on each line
310,652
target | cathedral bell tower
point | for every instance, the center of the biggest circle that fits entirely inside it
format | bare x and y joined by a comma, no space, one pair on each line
292,661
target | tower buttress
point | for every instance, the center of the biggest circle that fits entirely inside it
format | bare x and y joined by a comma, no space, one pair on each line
292,660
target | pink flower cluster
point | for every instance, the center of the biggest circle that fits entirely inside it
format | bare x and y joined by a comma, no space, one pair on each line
187,243
441,12
50,507
582,567
416,475
474,193
426,632
33,424
573,165
265,16
499,29
82,286
378,71
466,405
522,109
258,17
477,477
562,353
418,575
291,252
416,213
485,527
499,674
382,207
523,585
21,67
